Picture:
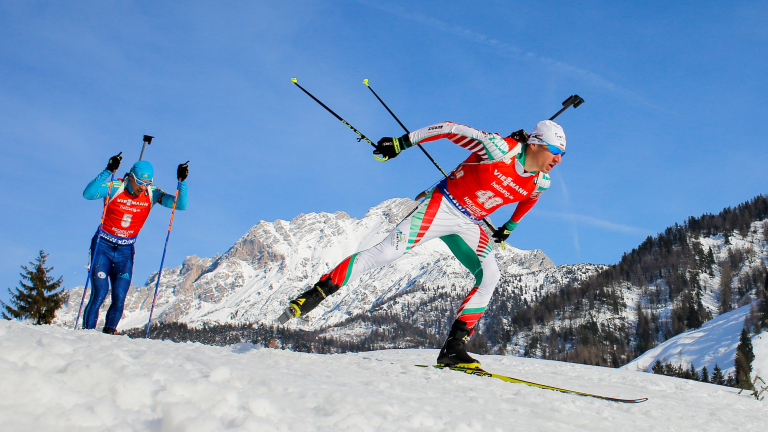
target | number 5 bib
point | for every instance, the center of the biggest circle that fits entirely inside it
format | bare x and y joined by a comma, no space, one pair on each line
126,215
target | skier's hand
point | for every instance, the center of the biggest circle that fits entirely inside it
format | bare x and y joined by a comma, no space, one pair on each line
114,163
501,234
389,147
182,171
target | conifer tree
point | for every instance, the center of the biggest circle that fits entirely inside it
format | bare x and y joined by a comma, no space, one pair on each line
743,364
717,376
692,373
704,374
37,301
762,319
644,330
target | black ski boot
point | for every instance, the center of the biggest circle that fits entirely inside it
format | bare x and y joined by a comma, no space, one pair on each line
309,300
454,352
109,331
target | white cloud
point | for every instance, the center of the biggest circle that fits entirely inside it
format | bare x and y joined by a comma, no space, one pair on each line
513,51
595,222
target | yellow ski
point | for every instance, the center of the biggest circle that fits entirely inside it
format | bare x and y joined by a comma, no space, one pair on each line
483,373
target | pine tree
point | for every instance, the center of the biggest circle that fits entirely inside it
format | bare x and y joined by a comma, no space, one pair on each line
717,376
704,374
763,316
743,364
37,301
644,331
692,373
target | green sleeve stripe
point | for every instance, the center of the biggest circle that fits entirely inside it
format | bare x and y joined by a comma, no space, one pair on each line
349,268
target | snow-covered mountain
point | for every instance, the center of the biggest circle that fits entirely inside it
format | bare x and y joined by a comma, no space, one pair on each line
723,269
274,261
55,379
713,344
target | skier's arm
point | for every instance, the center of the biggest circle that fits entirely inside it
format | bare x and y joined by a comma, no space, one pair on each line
524,206
98,187
490,146
166,199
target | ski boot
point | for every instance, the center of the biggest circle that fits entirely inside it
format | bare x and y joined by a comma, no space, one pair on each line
309,300
109,331
454,352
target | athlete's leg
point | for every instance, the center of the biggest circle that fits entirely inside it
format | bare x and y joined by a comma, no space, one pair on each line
430,220
472,248
122,271
99,282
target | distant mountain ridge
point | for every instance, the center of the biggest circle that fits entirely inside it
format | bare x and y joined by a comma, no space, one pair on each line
253,281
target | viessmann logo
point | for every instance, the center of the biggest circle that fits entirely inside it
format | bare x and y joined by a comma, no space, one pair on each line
131,202
507,181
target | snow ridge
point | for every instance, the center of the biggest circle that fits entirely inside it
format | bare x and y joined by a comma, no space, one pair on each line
253,281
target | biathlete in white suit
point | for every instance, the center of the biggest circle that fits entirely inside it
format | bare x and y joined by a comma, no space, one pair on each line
499,171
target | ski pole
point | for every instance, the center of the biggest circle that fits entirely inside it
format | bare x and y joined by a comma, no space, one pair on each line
360,134
96,248
365,81
147,140
162,261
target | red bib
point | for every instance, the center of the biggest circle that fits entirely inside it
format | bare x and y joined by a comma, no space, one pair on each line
481,188
126,215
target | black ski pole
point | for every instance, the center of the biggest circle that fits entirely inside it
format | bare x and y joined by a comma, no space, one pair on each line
365,81
574,100
360,134
147,140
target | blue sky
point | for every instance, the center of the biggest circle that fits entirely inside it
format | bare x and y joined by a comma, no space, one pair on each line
673,124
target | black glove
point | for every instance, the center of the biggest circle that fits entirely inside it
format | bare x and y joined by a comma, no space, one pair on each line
114,162
501,234
389,147
182,171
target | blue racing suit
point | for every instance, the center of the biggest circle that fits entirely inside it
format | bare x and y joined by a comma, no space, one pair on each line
113,262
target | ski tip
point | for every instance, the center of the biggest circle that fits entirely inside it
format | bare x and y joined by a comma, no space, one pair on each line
294,80
365,81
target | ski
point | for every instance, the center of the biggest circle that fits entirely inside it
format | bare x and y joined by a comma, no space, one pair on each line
483,373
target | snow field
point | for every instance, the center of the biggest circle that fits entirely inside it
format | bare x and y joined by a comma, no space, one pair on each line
56,379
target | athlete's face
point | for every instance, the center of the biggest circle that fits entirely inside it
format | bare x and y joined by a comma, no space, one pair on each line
541,158
136,187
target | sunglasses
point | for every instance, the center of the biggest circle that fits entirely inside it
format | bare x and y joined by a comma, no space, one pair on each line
141,182
555,150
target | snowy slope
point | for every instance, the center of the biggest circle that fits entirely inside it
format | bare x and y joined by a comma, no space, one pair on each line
59,380
274,261
714,342
752,246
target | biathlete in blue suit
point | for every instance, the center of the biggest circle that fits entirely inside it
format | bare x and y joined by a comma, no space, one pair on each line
130,202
